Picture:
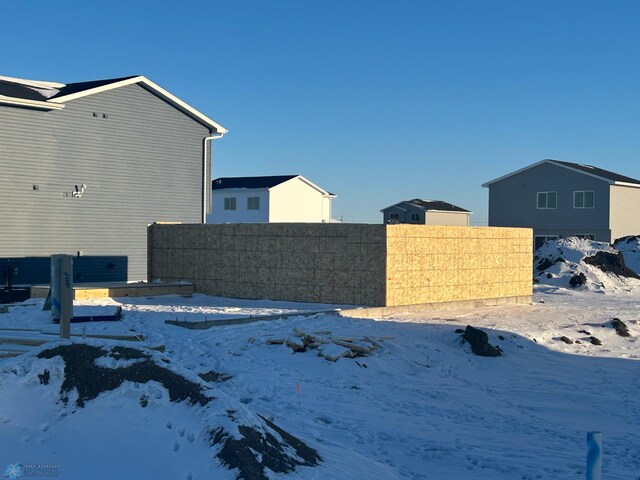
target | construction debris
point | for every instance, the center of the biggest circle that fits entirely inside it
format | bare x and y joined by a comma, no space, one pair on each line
329,347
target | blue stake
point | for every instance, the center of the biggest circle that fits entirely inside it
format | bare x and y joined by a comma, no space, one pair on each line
594,456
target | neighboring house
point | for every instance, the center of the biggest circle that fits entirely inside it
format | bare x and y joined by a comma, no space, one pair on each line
426,212
562,199
272,199
85,167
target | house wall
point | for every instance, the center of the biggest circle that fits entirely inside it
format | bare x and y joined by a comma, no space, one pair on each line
625,211
512,203
448,218
141,164
404,212
377,265
296,201
242,214
327,214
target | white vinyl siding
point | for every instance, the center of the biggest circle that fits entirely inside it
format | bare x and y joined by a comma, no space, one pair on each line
547,200
584,199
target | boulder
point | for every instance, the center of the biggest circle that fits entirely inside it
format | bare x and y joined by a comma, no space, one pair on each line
479,342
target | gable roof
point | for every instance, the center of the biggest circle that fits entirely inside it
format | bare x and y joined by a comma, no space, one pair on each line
431,205
52,96
602,174
250,182
261,182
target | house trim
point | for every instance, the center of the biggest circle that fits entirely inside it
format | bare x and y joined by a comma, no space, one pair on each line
22,102
152,87
310,183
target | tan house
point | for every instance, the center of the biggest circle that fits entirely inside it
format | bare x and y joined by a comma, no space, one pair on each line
426,212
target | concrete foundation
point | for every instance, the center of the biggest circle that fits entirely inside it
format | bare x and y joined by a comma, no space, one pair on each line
375,265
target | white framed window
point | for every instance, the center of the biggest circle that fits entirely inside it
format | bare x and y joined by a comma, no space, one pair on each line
230,203
394,216
414,218
539,240
253,203
584,199
586,236
547,200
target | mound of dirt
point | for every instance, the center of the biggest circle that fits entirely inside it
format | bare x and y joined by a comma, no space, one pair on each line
254,445
610,262
579,263
82,374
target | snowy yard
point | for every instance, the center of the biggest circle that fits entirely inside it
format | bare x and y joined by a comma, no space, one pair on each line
420,407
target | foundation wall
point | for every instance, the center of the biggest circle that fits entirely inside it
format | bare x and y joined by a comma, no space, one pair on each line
431,264
374,265
321,263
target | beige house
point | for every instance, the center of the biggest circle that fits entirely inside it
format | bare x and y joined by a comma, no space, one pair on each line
426,212
270,199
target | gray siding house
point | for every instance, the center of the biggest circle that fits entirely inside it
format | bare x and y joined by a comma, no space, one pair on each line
561,199
85,167
426,212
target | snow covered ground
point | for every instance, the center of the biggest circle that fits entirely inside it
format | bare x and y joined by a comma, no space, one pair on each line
420,407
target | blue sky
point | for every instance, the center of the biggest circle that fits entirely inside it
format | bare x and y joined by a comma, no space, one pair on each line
375,101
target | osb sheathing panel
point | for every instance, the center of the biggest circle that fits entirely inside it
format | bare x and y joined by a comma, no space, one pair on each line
328,263
427,264
339,263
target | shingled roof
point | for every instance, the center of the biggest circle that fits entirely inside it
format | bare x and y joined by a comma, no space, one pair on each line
598,172
250,182
606,175
39,95
431,205
43,91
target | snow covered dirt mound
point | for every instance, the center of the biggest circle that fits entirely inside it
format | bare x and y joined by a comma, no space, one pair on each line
630,249
575,262
76,379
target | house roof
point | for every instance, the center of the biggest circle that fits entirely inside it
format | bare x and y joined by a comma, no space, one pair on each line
53,96
261,182
602,174
431,205
250,182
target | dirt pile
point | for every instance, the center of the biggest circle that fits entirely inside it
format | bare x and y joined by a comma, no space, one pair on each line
579,263
252,447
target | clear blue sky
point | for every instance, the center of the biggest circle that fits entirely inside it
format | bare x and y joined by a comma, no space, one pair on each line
376,101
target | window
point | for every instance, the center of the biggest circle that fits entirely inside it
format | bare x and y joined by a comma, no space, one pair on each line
547,200
253,203
540,239
230,203
584,199
394,217
414,218
586,236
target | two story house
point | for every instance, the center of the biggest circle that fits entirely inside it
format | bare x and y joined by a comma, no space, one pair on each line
86,166
269,199
561,199
426,212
